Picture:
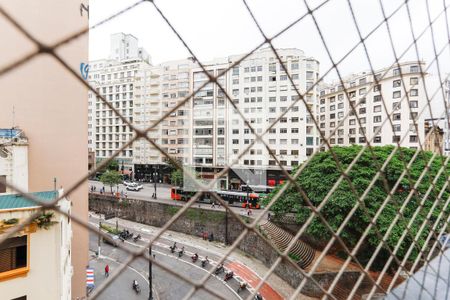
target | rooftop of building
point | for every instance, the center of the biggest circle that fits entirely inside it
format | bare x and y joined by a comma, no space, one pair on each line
17,201
10,132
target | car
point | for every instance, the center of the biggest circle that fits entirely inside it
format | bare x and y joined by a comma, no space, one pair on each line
114,240
127,182
135,187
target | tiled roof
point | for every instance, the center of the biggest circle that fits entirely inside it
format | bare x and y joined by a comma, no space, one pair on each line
9,133
13,201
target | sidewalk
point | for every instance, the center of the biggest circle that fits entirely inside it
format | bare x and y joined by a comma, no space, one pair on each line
247,267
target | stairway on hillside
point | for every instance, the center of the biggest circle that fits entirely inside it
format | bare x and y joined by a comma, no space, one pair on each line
281,239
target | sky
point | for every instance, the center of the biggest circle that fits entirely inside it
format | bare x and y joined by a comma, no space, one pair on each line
214,28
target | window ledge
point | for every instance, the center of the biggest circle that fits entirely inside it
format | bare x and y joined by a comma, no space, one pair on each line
8,275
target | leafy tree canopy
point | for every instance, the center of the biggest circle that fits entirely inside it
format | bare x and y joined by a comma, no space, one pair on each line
320,175
111,178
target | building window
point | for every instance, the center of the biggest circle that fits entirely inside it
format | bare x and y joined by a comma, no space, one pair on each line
377,119
396,105
397,83
395,138
14,256
414,69
377,88
413,138
413,104
377,139
396,117
396,94
396,72
396,127
377,108
414,92
414,80
2,184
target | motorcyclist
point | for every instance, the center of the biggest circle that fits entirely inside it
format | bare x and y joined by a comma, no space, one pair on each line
258,297
228,275
195,256
135,284
219,269
181,251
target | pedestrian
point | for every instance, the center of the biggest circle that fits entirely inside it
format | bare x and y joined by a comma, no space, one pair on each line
213,204
121,193
126,195
218,204
248,212
268,216
107,270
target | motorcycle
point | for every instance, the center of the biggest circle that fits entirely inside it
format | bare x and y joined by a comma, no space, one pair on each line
219,270
136,287
228,275
172,249
180,253
136,238
204,262
241,287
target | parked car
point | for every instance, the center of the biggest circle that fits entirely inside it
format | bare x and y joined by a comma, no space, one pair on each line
127,182
134,187
114,240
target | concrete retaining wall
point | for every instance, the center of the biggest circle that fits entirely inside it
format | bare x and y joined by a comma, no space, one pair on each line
224,227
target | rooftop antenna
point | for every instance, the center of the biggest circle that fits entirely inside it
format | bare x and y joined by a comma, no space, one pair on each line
13,116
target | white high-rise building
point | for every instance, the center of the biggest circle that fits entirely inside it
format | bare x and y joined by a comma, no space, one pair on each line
114,79
125,47
334,105
260,88
159,89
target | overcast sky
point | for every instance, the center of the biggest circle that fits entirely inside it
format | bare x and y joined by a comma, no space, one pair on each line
221,28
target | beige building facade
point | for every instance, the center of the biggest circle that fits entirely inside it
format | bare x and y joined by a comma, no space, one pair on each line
49,104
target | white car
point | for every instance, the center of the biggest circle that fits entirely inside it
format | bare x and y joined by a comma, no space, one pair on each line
127,183
134,187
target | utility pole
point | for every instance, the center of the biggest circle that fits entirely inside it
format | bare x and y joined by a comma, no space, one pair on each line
117,222
150,285
226,226
99,237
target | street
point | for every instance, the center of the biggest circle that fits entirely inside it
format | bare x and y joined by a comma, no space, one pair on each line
163,195
166,285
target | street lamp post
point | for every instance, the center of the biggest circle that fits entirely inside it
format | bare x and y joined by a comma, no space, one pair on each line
150,284
155,176
248,191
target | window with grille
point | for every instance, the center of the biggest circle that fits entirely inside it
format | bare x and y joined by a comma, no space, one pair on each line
13,254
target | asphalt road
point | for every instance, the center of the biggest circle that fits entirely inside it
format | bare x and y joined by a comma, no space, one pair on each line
167,286
163,195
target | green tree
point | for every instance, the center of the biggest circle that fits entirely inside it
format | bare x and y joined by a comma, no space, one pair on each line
111,178
113,165
176,177
320,175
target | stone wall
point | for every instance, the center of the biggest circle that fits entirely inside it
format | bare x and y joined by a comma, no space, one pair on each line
223,226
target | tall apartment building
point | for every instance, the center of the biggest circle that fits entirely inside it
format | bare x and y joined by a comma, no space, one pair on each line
159,89
48,103
125,47
115,80
334,105
261,90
